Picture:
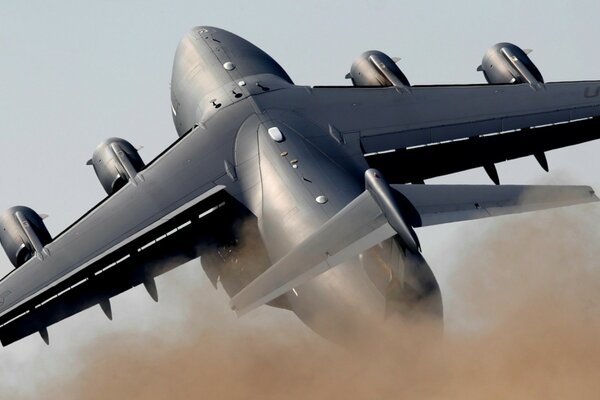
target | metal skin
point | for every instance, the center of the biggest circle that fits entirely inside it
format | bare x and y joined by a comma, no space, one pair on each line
115,162
280,181
23,234
200,83
505,63
267,175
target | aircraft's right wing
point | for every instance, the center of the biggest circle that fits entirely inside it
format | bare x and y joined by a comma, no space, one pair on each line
428,131
371,218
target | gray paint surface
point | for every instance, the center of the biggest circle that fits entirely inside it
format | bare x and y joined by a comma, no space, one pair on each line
224,88
128,97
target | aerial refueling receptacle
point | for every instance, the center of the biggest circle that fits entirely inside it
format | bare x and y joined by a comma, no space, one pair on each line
374,68
116,162
506,63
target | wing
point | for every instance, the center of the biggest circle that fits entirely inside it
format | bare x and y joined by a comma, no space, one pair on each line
423,133
172,240
363,223
178,209
417,164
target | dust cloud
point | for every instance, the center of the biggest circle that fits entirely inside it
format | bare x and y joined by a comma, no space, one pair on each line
525,323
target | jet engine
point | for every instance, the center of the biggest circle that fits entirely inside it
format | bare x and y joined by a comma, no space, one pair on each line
23,235
506,63
116,162
374,68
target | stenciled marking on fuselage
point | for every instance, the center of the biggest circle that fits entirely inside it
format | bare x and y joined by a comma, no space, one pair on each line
591,92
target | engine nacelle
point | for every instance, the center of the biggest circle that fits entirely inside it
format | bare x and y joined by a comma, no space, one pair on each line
116,162
23,235
374,68
506,63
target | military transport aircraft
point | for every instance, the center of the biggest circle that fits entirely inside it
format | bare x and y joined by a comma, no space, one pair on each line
304,198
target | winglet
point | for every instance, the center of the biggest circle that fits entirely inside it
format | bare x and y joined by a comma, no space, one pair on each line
348,76
480,68
396,59
89,162
527,51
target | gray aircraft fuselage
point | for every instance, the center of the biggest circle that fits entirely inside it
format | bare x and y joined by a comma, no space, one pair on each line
302,198
290,173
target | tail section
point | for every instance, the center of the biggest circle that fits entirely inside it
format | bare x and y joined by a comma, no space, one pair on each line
383,211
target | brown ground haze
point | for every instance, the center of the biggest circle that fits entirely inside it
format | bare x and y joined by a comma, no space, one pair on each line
528,296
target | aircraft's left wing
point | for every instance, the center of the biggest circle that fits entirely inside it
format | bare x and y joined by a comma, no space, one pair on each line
33,297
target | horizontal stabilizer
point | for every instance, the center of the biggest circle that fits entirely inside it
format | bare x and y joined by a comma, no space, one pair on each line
440,204
363,223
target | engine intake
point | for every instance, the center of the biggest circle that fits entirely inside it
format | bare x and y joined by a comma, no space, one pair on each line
506,63
374,68
116,162
23,235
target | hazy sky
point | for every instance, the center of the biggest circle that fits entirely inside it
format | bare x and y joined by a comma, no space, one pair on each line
73,73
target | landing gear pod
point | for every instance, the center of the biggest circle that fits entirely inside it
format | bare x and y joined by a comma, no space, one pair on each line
23,235
506,63
116,162
374,68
